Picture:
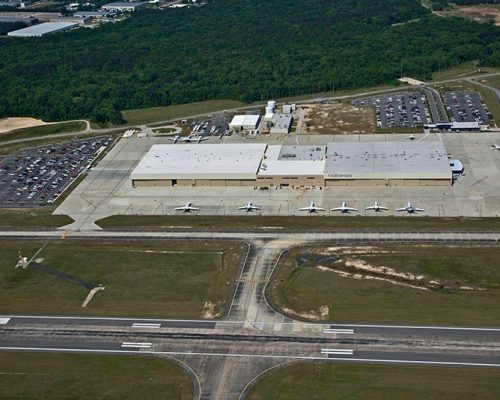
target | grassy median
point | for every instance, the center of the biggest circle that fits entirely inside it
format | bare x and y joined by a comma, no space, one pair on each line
32,218
377,382
147,279
76,376
443,285
299,222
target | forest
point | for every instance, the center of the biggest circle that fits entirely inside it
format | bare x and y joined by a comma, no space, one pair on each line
244,50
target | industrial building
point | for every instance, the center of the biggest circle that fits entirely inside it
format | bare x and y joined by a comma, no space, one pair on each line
199,165
245,122
43,29
280,123
455,126
123,6
94,14
262,165
387,164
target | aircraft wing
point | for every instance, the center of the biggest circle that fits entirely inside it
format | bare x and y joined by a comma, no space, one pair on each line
319,209
402,209
371,208
180,208
419,209
350,209
382,208
305,209
336,209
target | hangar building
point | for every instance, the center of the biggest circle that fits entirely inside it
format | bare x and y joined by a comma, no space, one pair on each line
199,165
262,165
387,163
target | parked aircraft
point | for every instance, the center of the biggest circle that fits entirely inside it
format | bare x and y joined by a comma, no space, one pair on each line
312,208
376,207
495,146
411,137
343,208
188,139
249,207
175,139
187,208
410,209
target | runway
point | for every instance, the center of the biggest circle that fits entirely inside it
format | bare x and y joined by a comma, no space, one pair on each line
224,357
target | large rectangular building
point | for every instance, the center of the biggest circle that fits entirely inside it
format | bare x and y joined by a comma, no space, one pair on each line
43,29
199,165
259,165
406,163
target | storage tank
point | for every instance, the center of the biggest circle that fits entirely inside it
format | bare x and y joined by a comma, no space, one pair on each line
269,109
271,103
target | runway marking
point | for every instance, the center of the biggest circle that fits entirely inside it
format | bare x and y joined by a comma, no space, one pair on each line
4,321
316,358
344,352
343,331
144,325
450,328
137,345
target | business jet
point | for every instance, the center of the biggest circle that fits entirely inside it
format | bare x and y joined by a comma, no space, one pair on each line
411,137
376,207
187,208
495,146
343,208
249,207
188,139
312,208
410,209
175,139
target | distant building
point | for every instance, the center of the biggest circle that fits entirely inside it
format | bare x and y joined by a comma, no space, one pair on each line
94,14
123,6
43,29
79,21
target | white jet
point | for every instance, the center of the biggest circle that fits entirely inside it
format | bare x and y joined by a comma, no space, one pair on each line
343,208
410,209
249,207
312,208
411,137
376,207
175,139
187,208
495,146
188,139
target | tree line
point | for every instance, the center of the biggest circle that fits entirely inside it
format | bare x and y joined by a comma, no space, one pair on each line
245,50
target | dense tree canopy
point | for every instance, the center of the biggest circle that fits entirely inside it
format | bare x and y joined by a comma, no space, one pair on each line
239,49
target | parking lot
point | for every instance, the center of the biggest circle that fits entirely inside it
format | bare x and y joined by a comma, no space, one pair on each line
216,126
38,176
401,110
467,107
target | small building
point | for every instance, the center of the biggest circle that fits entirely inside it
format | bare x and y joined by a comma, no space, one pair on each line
123,6
289,108
43,29
245,122
281,123
454,126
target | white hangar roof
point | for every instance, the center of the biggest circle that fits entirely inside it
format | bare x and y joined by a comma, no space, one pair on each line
384,160
293,161
245,120
200,161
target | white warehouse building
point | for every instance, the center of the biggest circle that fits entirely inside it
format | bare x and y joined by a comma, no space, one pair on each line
247,122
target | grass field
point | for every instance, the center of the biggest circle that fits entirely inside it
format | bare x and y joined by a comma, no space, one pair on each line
377,382
339,118
493,81
466,69
32,218
299,222
456,285
156,279
43,130
75,376
155,114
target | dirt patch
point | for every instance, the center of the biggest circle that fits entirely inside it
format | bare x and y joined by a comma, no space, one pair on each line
211,310
9,124
319,315
338,119
479,13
